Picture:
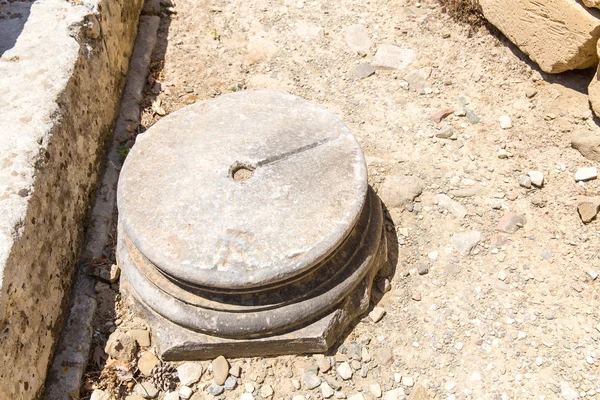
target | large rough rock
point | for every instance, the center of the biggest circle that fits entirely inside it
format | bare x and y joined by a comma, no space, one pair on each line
588,144
592,3
559,35
62,68
594,95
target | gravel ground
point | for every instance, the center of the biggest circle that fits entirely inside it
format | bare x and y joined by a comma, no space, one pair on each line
495,293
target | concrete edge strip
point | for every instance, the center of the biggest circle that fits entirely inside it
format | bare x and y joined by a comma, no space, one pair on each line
70,360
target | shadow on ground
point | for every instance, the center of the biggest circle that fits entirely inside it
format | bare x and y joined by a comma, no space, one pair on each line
13,16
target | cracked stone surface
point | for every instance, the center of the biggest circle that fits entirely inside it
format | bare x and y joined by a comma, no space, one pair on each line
304,163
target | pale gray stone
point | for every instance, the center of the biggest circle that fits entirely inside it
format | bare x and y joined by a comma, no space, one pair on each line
452,206
326,390
357,38
189,373
364,70
345,371
398,191
393,57
465,242
220,369
145,389
586,174
537,178
417,79
310,380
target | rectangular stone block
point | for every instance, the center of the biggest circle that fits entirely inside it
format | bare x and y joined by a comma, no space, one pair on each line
62,69
559,35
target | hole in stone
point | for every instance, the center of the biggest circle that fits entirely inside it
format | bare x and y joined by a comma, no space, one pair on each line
241,172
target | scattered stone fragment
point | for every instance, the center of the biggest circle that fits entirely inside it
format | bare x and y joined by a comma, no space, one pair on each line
450,386
393,57
141,336
189,373
344,370
502,275
511,222
145,389
419,393
422,268
398,191
146,362
475,376
465,242
383,285
310,380
586,174
357,396
375,390
416,296
384,355
505,122
438,116
121,346
546,254
235,370
452,206
98,394
324,364
417,79
339,395
525,182
472,117
326,390
115,273
408,381
266,391
364,371
377,314
445,133
364,70
309,32
588,209
215,390
357,38
220,369
530,93
366,357
503,154
230,383
537,178
185,392
588,145
567,392
593,274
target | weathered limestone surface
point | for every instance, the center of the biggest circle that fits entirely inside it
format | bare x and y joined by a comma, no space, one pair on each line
62,69
559,35
264,237
594,91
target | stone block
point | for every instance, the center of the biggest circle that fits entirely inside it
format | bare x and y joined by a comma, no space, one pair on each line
559,35
62,69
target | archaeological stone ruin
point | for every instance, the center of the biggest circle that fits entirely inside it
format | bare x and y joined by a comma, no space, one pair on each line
246,228
243,225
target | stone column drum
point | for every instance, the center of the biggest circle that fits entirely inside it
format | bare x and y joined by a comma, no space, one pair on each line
247,228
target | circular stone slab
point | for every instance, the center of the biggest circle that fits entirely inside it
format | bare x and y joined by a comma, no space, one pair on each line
243,191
